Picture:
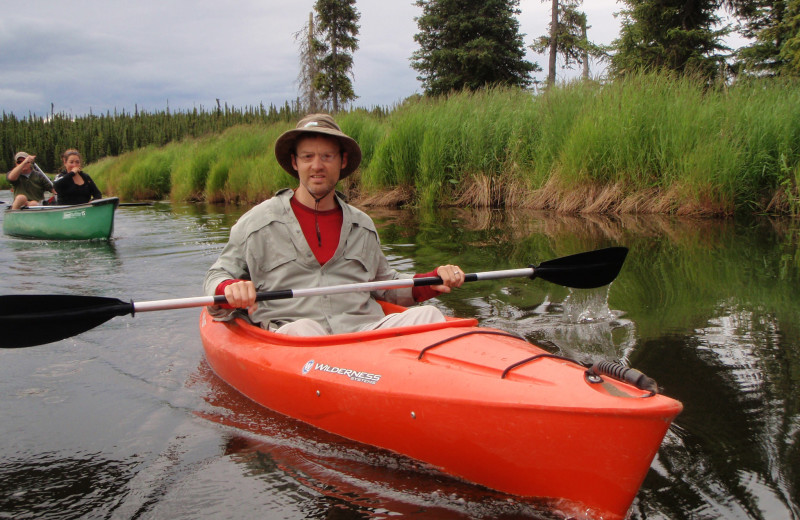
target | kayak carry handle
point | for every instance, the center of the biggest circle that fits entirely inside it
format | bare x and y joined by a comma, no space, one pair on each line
620,372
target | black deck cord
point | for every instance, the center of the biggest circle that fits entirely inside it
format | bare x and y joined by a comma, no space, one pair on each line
534,358
622,373
468,333
500,333
593,374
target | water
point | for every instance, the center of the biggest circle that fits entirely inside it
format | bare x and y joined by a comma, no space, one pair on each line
127,421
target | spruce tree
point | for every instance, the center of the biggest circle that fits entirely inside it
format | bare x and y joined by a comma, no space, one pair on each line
337,22
790,51
310,49
774,27
673,35
567,37
469,44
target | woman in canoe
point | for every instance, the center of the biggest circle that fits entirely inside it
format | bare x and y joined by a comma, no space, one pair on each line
311,237
72,184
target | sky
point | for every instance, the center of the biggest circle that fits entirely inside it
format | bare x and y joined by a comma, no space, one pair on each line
102,55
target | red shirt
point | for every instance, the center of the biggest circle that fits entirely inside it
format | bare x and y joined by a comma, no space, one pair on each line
321,229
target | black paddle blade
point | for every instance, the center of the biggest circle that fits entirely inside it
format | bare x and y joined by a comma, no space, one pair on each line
35,319
583,270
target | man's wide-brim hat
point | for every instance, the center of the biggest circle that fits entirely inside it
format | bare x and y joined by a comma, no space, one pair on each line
317,124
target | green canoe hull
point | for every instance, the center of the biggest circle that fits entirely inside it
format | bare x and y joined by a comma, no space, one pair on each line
94,220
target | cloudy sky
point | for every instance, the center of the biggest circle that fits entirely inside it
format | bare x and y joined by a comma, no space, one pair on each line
100,55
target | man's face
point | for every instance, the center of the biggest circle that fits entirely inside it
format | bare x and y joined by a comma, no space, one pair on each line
26,165
319,162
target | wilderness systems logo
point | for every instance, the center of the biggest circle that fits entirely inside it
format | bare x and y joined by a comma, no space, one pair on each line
353,375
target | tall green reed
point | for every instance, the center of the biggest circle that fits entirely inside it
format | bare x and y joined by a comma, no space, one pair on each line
766,130
235,166
234,173
724,148
142,174
189,176
675,133
396,158
637,131
434,145
367,129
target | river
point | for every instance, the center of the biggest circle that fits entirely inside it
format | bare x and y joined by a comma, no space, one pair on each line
127,420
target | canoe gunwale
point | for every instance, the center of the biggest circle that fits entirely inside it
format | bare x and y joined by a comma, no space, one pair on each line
94,203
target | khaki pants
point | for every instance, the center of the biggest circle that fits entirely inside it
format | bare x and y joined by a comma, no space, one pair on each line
413,316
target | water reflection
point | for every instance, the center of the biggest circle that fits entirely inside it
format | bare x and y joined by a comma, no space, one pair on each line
26,260
733,449
210,219
332,477
52,484
707,308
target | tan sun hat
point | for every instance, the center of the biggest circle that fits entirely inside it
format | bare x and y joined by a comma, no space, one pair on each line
21,154
317,124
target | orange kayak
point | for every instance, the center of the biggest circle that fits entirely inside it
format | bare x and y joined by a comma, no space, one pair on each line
473,402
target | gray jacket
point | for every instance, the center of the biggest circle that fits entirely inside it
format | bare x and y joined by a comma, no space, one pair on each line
268,247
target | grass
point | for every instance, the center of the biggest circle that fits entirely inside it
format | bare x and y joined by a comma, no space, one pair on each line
647,144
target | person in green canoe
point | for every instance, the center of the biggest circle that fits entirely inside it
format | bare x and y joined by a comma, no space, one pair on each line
28,183
72,184
310,237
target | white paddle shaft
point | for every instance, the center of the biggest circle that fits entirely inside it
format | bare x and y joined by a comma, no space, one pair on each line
203,301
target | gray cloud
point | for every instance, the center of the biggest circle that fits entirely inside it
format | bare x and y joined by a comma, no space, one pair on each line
102,55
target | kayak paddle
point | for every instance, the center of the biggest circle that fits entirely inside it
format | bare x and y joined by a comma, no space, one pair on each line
35,319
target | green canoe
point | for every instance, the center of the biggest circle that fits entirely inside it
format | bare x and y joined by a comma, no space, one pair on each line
80,222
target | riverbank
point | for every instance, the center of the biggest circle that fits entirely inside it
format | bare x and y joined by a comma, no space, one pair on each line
648,144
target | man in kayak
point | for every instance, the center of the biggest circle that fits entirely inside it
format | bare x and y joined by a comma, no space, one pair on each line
310,237
29,184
